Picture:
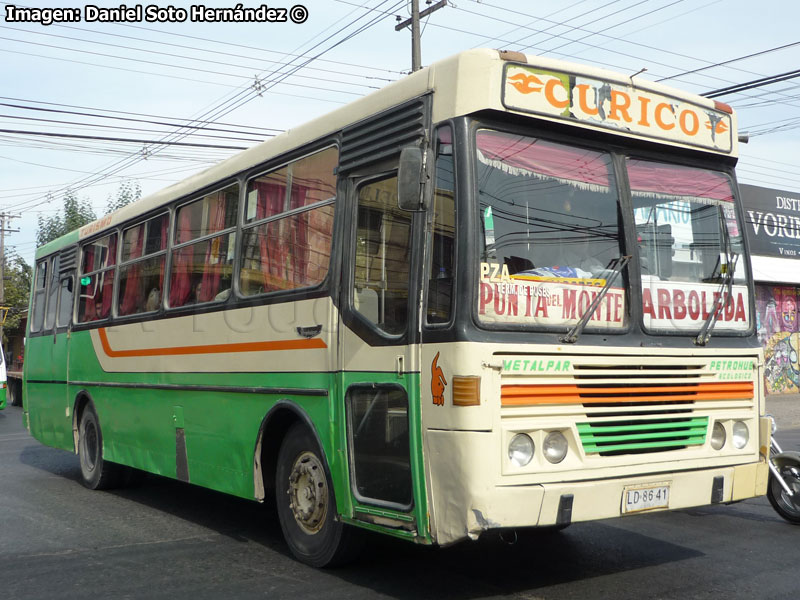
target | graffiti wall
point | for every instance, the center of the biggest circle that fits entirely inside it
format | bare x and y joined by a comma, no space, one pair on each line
776,308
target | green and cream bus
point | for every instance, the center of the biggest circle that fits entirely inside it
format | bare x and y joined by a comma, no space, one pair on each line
504,292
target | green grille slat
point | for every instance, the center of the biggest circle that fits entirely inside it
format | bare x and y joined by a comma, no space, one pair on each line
656,435
591,428
682,433
671,443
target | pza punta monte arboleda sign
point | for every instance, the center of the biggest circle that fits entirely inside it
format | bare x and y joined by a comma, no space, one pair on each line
553,301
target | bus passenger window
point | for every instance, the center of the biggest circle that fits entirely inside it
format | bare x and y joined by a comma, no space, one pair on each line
97,279
141,281
382,257
288,245
202,271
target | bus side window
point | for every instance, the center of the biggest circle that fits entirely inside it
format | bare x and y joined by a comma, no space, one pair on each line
65,300
288,225
202,270
97,279
39,296
52,295
441,256
141,280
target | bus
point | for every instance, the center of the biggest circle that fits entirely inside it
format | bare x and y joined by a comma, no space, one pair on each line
501,293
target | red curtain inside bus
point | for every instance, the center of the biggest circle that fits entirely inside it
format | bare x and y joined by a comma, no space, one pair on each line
213,256
677,180
108,281
270,202
298,246
180,285
132,297
544,158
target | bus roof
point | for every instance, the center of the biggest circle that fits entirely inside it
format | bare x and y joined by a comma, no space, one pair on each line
465,83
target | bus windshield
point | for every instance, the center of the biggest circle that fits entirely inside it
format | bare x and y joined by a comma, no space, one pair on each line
551,232
690,247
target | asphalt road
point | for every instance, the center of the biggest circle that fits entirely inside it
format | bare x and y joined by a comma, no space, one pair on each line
165,539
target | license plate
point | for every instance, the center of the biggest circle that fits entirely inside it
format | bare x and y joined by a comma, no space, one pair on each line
646,497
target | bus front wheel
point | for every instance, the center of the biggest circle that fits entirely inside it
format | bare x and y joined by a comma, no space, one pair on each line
306,504
96,473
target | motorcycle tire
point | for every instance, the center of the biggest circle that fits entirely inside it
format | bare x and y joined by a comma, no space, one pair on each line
785,505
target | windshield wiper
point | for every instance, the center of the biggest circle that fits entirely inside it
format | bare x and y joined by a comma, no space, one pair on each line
726,285
725,294
572,335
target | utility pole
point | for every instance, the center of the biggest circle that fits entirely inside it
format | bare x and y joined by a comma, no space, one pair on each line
416,15
3,231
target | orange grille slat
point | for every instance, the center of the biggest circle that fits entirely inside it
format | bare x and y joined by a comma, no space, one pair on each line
524,395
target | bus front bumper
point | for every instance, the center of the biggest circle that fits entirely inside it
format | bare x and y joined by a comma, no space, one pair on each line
464,506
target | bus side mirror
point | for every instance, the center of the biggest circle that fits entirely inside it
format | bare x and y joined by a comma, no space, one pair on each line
413,176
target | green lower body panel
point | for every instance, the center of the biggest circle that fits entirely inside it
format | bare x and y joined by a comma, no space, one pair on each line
204,428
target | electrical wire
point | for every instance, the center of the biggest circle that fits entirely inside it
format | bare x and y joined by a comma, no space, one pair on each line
120,165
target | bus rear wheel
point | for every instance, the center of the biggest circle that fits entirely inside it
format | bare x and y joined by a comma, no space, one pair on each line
306,504
96,473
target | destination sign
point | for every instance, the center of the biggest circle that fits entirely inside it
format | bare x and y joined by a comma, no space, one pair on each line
611,105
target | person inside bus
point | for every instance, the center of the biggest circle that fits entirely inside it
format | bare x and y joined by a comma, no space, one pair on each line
153,301
98,309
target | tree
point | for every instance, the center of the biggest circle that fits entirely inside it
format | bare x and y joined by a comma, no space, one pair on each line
17,287
129,191
76,213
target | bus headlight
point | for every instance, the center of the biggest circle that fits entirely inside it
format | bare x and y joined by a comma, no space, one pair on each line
741,435
520,449
718,436
555,447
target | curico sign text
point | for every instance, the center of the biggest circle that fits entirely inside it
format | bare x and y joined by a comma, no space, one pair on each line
612,105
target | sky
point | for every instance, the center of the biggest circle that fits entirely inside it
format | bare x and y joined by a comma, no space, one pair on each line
247,81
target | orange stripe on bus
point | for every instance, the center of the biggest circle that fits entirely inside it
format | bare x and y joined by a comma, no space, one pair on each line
523,395
211,348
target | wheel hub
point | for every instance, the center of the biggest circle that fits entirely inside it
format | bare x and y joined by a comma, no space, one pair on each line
308,493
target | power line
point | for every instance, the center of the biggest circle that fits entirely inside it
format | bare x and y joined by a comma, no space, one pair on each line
211,114
730,61
131,119
69,124
583,30
749,85
126,140
117,35
184,67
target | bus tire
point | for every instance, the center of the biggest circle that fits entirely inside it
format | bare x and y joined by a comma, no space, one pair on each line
96,473
306,504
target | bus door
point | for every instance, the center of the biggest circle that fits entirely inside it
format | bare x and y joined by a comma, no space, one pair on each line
377,348
64,280
51,371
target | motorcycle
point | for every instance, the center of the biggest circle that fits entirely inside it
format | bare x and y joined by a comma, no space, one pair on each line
783,489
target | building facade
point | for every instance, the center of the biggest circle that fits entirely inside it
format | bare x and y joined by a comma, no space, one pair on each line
772,218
